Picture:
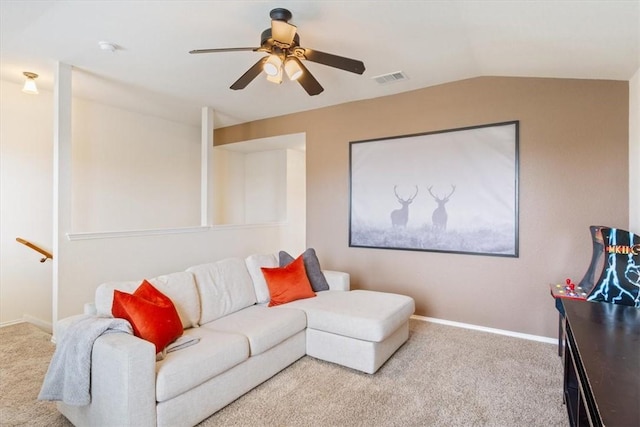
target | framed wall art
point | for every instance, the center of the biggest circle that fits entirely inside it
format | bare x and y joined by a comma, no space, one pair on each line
453,190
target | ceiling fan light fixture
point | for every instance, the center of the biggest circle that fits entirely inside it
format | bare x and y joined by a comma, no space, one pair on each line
277,79
292,68
30,86
273,66
281,52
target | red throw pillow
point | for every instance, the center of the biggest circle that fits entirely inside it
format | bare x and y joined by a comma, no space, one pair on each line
288,283
152,314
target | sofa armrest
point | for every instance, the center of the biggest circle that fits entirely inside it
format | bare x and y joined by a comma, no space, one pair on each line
123,372
338,280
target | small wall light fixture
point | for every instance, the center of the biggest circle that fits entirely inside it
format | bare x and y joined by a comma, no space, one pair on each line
30,86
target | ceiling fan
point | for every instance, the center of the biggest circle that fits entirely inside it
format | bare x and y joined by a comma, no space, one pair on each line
282,44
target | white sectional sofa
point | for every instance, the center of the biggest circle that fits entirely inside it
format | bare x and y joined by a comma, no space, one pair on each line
242,343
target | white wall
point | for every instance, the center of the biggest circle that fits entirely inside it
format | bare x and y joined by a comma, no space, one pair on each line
265,186
229,174
132,171
26,123
634,153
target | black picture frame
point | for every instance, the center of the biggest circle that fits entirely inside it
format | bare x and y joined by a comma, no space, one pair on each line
453,191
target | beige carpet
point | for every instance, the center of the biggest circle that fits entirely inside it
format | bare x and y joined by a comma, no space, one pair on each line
25,352
443,376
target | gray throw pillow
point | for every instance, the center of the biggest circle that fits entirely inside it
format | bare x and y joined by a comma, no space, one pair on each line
312,265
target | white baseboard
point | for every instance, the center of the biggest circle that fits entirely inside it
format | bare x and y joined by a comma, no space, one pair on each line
45,326
11,322
485,329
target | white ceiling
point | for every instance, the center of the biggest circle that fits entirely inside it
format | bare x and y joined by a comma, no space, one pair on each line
432,42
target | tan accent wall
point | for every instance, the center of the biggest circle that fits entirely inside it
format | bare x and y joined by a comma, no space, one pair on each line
573,173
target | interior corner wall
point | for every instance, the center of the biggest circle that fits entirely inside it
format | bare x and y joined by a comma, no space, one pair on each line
573,173
294,235
634,153
252,187
26,160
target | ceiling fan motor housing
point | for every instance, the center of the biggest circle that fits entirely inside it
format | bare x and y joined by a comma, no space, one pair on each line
268,42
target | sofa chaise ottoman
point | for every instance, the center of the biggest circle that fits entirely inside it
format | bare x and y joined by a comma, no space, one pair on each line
358,329
241,342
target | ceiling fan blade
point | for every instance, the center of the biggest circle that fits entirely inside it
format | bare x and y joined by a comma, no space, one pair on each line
225,49
307,81
283,31
335,61
251,74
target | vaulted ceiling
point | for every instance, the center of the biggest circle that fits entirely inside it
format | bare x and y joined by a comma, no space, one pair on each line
431,42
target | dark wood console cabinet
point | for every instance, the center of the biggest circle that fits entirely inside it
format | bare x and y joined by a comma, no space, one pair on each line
601,364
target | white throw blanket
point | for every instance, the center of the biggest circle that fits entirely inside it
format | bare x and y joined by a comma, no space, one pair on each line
69,375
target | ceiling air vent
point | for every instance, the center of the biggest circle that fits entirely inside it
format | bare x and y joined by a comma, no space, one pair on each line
391,77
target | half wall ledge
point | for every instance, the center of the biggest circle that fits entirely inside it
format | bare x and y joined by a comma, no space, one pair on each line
165,231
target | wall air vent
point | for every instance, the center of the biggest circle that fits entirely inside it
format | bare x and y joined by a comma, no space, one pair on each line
391,77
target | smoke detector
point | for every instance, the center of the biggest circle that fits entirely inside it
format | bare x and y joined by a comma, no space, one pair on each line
107,46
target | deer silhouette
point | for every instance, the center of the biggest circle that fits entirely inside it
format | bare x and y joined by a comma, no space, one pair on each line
439,217
400,217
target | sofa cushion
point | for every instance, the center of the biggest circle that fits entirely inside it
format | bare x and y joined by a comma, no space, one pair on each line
179,287
312,267
184,369
288,283
264,328
225,287
152,315
254,263
364,315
